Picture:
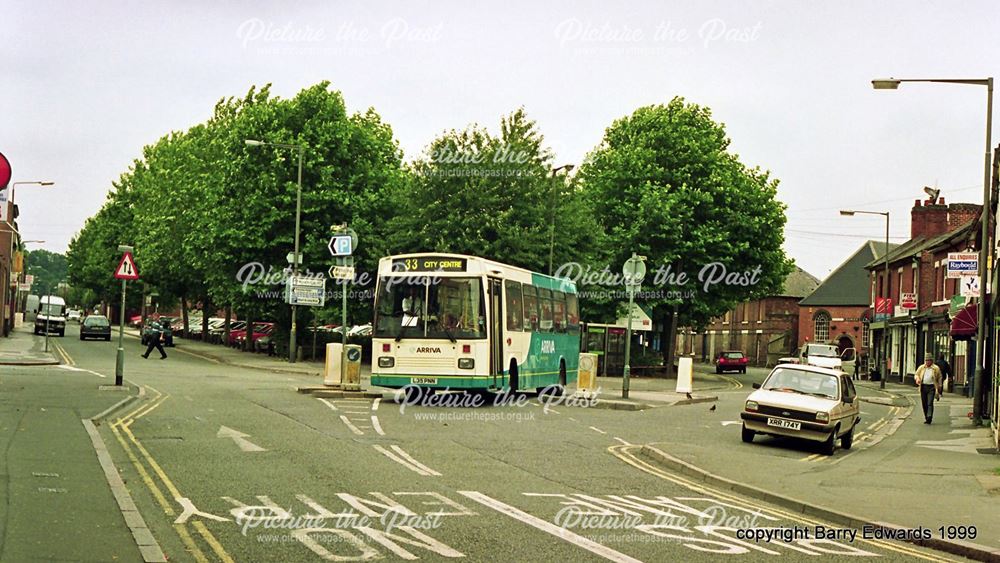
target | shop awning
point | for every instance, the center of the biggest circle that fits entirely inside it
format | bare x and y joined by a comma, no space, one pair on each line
963,326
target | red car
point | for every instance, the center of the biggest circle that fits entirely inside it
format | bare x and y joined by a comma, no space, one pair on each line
731,360
236,337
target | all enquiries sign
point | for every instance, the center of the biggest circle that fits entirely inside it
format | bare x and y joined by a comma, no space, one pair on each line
961,264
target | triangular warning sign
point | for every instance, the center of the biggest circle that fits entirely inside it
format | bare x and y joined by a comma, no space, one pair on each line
126,268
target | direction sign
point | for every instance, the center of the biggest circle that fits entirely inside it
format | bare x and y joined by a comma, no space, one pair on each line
306,290
341,272
126,268
341,245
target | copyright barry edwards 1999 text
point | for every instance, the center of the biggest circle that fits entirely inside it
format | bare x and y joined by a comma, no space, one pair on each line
793,533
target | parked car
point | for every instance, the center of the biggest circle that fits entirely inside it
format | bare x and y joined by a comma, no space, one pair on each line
152,328
731,360
95,326
236,338
135,321
73,315
803,401
216,334
823,355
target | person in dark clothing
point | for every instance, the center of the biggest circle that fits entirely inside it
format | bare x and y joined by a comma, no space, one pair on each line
945,368
155,341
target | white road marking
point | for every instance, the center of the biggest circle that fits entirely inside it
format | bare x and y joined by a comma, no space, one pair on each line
73,368
240,439
622,441
549,528
351,426
375,403
573,419
729,422
410,459
400,460
329,404
377,426
597,430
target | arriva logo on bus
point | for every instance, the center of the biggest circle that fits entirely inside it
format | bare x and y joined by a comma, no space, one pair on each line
427,350
548,346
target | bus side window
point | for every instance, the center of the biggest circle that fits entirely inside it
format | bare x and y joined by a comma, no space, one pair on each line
572,313
545,308
559,310
530,308
513,290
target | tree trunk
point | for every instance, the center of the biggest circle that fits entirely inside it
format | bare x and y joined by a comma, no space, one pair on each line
225,328
247,345
205,309
184,317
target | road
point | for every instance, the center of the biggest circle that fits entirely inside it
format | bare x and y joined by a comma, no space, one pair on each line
229,464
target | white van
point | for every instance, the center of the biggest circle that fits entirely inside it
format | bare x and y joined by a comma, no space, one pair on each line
51,315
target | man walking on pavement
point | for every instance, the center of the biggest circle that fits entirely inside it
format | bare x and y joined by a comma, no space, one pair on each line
928,379
155,341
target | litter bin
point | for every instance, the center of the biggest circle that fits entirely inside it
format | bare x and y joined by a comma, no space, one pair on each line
874,375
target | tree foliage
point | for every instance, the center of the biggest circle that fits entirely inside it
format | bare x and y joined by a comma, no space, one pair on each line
664,185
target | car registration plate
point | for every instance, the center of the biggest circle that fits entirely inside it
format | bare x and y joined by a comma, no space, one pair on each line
782,423
424,381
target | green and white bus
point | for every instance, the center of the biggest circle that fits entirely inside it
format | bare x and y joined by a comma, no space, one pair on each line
462,322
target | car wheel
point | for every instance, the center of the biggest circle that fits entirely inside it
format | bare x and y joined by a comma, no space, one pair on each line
107,338
830,444
847,440
747,434
743,371
82,338
62,333
718,369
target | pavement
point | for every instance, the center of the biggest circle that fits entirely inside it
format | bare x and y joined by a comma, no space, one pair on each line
55,504
22,348
900,471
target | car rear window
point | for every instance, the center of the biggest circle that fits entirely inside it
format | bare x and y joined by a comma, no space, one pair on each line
734,355
95,321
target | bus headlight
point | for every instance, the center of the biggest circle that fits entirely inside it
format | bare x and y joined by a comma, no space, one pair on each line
386,361
466,363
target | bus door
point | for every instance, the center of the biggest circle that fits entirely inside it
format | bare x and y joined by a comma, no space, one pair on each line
495,286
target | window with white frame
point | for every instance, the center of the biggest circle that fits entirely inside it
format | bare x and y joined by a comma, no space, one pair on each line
821,327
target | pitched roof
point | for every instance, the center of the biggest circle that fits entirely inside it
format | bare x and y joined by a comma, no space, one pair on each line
849,284
915,246
798,283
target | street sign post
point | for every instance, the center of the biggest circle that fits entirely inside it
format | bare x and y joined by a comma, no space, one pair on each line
634,271
126,271
342,245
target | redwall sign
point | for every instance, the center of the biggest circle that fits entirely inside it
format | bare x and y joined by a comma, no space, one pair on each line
4,171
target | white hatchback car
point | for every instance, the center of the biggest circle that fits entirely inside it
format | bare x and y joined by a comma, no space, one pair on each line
801,401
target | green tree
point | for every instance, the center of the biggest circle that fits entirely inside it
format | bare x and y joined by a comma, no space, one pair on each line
491,196
664,185
49,269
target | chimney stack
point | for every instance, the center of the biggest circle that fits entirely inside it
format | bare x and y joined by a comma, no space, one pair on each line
930,219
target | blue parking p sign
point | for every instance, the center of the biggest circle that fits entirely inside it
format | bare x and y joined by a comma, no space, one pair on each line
340,245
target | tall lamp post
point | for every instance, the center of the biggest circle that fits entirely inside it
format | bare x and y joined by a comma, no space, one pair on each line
296,258
885,291
978,388
552,210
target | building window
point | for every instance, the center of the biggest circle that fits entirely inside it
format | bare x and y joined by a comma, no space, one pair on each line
821,327
864,333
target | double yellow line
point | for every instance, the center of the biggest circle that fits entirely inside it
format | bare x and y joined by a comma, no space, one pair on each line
66,358
867,432
625,454
121,429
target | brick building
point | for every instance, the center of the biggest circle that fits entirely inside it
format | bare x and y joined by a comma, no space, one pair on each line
919,266
839,310
764,329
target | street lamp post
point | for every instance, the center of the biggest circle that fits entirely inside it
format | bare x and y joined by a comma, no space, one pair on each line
978,387
296,258
552,210
885,291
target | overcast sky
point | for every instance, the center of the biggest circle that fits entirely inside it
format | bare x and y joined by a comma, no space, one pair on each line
86,85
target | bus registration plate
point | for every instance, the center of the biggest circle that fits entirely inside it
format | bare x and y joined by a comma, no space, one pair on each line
424,381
